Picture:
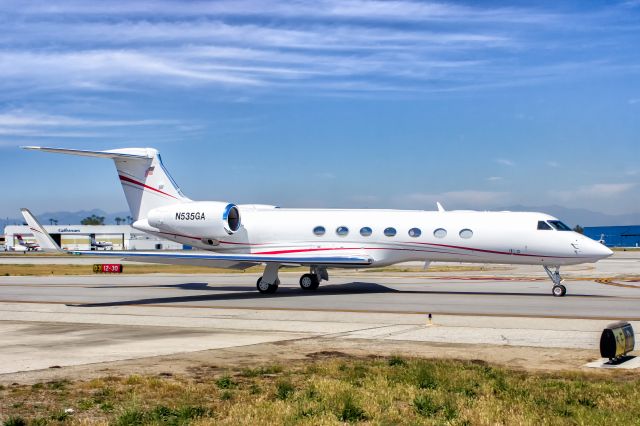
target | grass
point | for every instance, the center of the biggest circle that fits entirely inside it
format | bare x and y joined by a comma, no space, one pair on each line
339,390
57,269
53,269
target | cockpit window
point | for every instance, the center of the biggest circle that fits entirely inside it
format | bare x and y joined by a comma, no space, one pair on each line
559,225
543,226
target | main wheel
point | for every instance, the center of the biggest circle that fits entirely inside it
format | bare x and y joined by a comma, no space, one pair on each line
559,290
309,282
265,288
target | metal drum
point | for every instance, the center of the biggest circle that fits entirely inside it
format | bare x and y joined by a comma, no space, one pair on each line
617,340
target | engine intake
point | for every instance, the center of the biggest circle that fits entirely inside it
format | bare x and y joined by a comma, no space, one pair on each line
199,219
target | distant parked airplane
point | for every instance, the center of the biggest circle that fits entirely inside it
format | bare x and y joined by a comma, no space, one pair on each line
28,246
239,236
97,245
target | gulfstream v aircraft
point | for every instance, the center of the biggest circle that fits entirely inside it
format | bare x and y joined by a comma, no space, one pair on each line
239,236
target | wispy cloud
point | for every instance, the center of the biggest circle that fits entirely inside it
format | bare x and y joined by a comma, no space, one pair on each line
595,191
553,164
22,123
326,175
390,10
494,178
505,162
334,46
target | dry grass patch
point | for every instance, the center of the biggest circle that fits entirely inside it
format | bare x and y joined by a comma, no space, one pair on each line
332,390
54,269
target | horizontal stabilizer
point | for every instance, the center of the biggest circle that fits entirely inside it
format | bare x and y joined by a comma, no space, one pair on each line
112,153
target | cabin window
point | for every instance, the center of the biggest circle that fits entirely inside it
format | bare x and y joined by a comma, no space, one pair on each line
342,230
559,225
440,233
319,230
544,226
390,232
415,232
466,234
365,231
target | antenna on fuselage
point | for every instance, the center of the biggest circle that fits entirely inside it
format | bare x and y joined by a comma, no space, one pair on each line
440,208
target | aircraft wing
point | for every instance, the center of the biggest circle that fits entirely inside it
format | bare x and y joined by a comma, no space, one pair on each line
234,261
211,259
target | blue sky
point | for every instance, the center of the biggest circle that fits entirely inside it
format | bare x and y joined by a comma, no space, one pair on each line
328,103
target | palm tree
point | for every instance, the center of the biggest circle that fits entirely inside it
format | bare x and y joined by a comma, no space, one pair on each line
93,220
119,220
129,220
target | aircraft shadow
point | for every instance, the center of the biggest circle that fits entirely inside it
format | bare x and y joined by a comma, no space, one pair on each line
250,293
187,286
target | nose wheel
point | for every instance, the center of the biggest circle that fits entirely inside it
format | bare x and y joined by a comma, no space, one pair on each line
558,289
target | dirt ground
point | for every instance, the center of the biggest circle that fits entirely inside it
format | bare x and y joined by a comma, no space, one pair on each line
195,364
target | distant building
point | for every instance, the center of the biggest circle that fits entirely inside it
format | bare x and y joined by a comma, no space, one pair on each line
615,236
79,237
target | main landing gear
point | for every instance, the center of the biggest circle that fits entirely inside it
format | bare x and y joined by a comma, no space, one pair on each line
268,283
312,281
558,289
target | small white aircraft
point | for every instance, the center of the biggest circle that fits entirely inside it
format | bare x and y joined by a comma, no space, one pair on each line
26,245
239,236
97,245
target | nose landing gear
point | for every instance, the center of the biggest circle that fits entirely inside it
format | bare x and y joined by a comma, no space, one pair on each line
558,289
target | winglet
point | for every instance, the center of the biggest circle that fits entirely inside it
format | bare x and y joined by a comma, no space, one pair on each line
43,238
440,208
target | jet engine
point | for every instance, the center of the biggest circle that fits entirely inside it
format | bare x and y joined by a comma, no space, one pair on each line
202,219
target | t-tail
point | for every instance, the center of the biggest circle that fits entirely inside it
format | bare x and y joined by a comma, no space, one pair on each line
146,182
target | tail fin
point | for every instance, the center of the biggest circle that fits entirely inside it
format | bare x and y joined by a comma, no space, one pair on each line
146,182
20,240
43,238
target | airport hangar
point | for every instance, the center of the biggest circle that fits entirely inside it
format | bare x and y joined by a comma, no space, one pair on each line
78,237
615,236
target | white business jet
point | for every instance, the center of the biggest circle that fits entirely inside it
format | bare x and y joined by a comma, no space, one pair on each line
240,236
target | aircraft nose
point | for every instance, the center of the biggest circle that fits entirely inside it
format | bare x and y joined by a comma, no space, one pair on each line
599,250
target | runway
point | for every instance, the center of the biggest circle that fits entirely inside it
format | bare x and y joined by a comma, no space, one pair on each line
464,294
75,321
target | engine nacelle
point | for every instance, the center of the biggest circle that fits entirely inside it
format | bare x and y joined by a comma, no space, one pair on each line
203,219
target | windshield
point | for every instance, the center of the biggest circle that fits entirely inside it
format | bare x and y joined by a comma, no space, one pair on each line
559,225
544,226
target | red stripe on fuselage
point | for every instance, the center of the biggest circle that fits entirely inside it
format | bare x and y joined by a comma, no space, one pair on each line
427,251
356,248
129,180
490,251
